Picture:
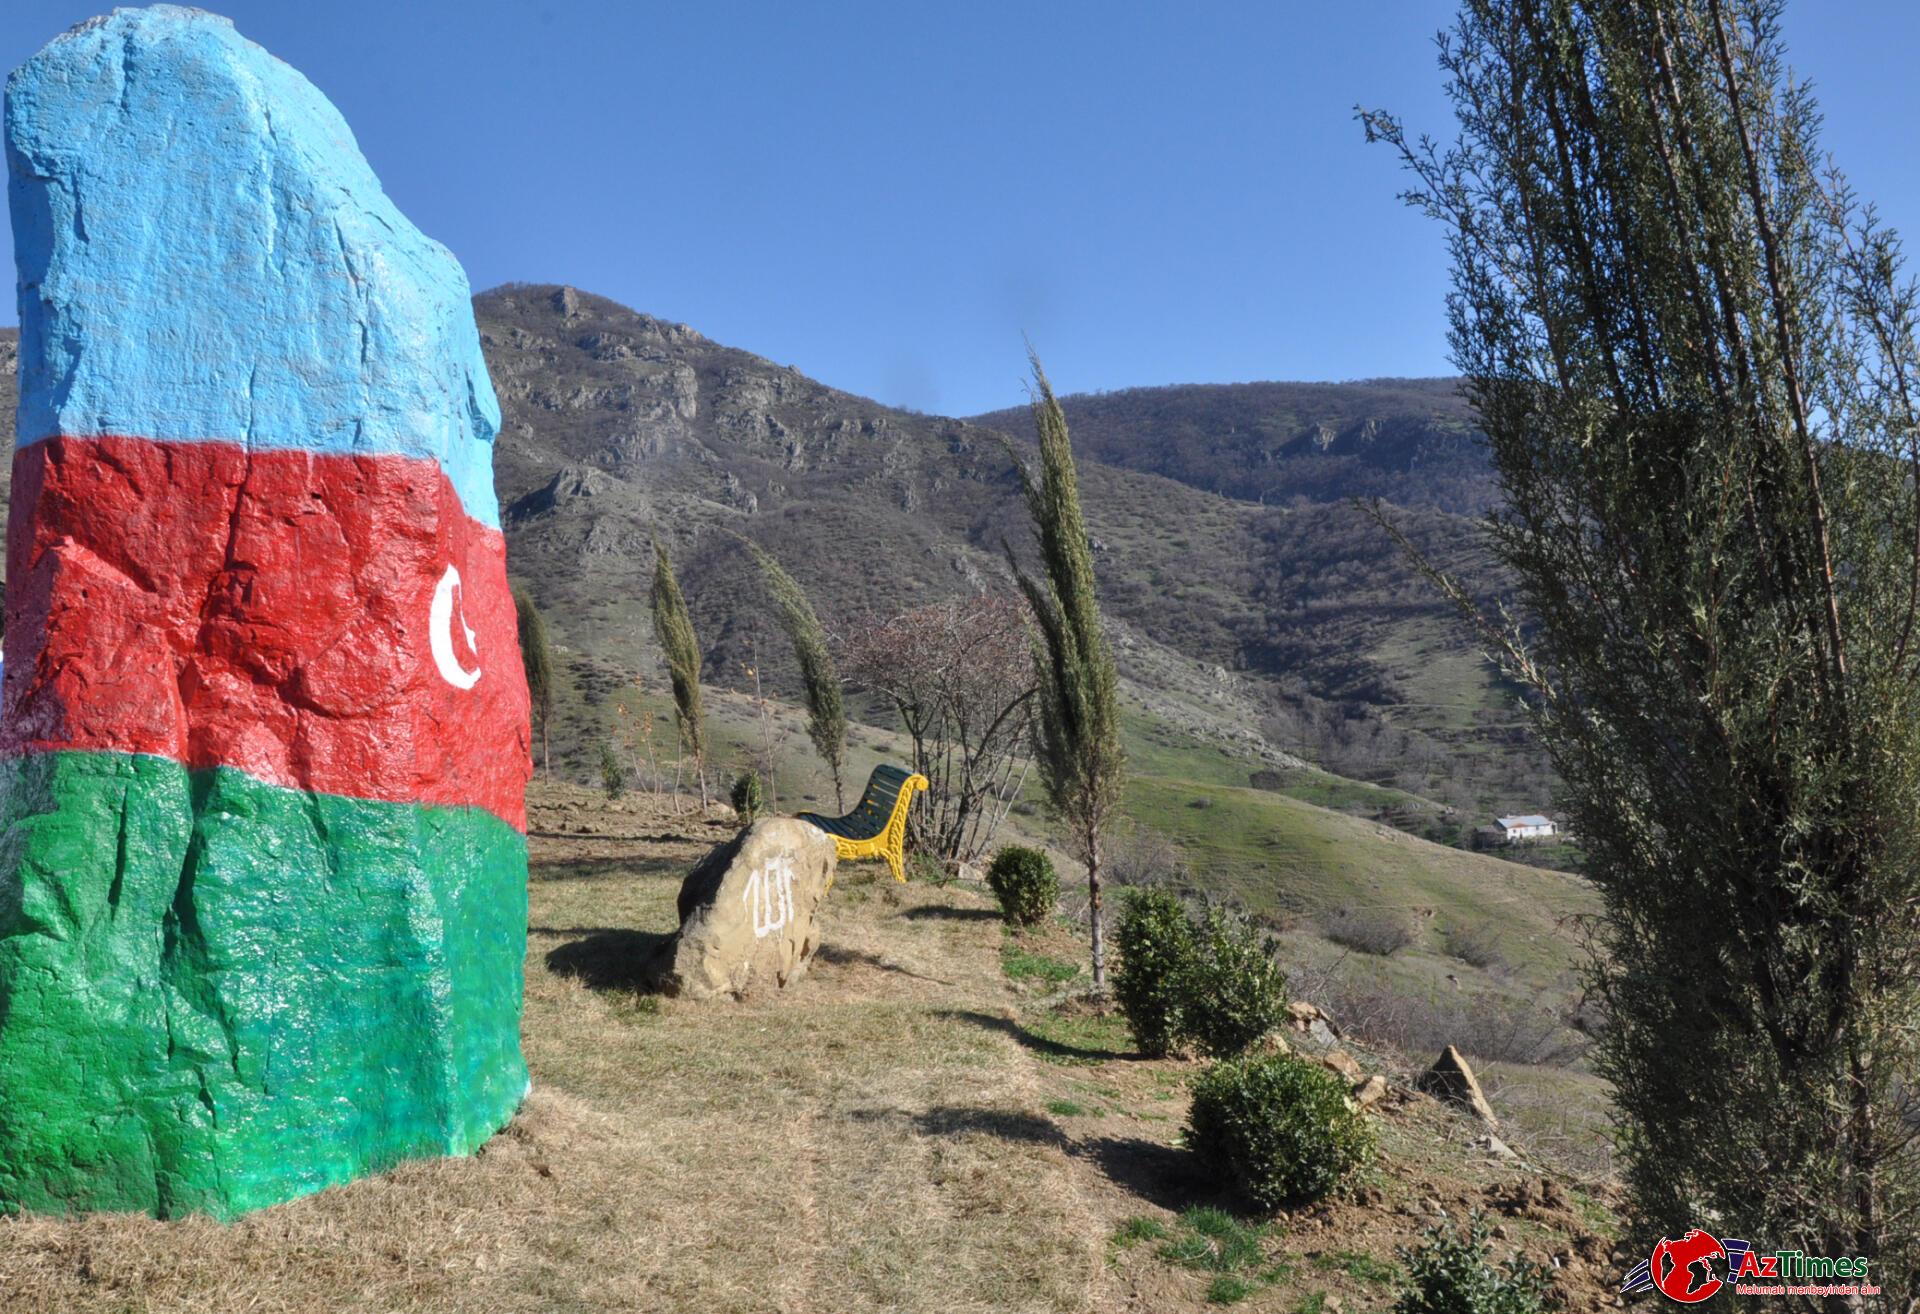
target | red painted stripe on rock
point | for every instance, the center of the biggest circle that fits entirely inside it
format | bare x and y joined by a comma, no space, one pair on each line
271,611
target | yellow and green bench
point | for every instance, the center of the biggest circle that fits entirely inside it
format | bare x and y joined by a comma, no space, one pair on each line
877,826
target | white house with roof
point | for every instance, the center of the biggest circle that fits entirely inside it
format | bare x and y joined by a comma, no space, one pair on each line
1518,830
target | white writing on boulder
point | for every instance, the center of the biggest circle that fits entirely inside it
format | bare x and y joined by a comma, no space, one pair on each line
769,894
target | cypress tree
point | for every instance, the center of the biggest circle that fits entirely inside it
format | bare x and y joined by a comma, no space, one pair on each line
537,655
673,627
1077,727
1693,353
820,680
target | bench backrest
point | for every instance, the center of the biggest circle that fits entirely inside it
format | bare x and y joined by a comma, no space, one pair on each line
870,816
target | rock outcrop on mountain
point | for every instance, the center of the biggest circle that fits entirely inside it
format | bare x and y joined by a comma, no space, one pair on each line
617,425
1408,441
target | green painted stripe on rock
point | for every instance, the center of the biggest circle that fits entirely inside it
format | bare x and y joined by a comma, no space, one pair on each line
218,994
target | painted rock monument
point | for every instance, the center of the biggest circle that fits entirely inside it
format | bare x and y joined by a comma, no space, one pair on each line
263,866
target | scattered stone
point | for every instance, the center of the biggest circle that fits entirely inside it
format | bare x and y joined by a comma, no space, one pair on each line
1274,1042
1431,1207
1302,1013
1342,1064
1370,1090
1451,1079
1496,1147
1500,1232
748,913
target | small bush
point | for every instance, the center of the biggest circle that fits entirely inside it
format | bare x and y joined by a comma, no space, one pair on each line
1369,931
1139,856
1157,954
1279,1127
748,802
1474,945
1453,1274
613,773
1235,993
1024,881
923,868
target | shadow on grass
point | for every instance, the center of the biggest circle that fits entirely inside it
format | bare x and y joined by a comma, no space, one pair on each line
843,957
1025,1128
933,912
1033,1040
591,836
606,959
583,869
957,1120
1163,1175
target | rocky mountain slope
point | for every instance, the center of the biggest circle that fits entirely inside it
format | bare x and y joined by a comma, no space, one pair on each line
1284,630
619,425
1409,441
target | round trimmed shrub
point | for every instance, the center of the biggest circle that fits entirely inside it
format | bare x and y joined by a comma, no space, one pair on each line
1024,881
747,799
1279,1127
1235,991
1157,955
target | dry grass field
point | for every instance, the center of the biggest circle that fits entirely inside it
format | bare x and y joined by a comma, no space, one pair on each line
927,1122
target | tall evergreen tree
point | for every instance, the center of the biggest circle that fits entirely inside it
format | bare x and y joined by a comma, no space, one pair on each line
1692,351
819,679
673,627
536,653
1077,728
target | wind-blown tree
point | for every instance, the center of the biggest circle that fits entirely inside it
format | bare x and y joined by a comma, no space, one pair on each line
1692,351
673,627
1077,725
819,679
536,653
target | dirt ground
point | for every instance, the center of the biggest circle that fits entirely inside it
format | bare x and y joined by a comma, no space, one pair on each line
928,1121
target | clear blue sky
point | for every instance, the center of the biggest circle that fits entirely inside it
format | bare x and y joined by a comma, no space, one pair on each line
889,194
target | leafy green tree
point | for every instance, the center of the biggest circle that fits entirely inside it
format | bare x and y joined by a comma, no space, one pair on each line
1692,351
1077,728
819,678
613,772
536,654
673,627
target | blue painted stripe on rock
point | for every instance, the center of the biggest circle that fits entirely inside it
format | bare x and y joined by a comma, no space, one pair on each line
208,202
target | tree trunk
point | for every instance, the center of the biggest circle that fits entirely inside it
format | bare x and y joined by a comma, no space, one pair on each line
1093,913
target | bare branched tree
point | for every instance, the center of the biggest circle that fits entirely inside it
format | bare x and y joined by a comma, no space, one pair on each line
958,675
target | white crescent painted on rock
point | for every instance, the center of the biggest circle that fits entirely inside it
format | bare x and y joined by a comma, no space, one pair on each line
440,633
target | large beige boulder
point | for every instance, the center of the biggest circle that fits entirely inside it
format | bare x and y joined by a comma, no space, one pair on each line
749,913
